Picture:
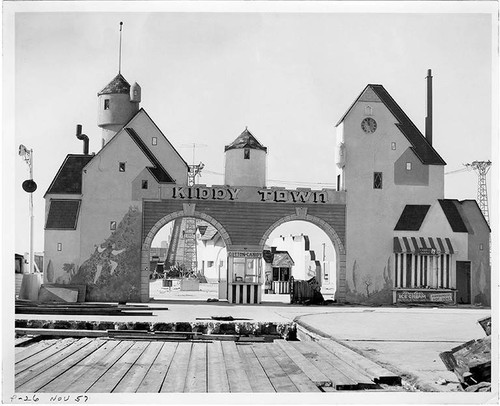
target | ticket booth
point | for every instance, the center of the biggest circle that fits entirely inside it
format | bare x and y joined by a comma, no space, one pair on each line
245,277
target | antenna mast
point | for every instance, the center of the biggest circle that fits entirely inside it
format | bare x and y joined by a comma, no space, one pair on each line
120,50
482,168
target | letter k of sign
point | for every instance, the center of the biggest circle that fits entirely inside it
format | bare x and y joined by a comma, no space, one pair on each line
179,192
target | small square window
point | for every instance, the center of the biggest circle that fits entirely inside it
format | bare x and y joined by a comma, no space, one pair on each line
377,180
247,153
59,246
106,104
393,146
112,225
154,141
121,167
481,247
408,166
144,184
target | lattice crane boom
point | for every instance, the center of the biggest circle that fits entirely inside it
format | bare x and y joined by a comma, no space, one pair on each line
482,168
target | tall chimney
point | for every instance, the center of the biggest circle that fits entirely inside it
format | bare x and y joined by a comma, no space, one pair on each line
83,138
428,119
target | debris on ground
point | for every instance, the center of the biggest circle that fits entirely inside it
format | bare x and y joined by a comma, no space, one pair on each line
471,362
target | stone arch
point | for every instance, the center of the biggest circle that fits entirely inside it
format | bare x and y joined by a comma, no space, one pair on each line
148,240
338,245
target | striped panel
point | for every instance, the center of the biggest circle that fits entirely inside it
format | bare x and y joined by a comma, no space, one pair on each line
450,247
411,245
397,246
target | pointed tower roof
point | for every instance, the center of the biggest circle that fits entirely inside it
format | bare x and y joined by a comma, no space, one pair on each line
245,140
118,85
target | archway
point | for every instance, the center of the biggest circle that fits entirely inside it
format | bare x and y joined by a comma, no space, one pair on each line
148,240
328,273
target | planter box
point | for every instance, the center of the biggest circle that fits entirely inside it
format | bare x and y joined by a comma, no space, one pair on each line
190,284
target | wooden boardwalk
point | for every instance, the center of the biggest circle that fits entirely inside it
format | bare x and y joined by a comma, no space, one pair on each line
78,365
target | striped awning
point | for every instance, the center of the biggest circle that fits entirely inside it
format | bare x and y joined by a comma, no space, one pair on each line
423,245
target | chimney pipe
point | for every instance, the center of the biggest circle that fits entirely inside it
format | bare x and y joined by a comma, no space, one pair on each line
428,119
83,138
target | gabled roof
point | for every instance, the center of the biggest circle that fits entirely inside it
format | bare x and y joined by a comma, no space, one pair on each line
69,177
451,211
157,170
207,230
420,146
412,217
118,85
245,140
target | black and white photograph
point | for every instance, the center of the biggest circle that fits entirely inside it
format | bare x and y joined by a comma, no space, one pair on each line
225,202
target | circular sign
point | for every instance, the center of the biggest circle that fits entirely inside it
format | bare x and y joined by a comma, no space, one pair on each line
29,185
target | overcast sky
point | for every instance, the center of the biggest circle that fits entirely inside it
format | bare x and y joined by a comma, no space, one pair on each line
289,77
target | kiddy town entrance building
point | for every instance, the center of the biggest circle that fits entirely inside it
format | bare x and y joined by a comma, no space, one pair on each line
397,239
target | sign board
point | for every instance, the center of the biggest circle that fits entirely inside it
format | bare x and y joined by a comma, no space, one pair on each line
427,251
244,254
424,296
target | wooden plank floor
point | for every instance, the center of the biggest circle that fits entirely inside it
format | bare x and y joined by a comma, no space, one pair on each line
102,365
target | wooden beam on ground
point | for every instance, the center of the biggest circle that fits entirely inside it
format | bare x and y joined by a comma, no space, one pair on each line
59,332
196,377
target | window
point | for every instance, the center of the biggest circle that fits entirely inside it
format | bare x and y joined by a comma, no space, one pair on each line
210,264
106,104
59,246
112,225
144,184
121,167
377,180
246,153
408,166
154,141
393,146
481,247
368,111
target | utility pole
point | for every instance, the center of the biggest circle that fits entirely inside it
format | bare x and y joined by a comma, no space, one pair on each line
482,168
29,186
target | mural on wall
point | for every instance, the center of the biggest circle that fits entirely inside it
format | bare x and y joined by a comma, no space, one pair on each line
112,272
483,297
362,285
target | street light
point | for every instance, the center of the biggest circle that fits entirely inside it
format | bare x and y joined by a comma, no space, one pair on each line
29,186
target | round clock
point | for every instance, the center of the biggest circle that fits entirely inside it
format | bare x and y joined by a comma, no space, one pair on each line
369,125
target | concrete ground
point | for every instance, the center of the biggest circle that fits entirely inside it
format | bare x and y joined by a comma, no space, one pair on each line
405,340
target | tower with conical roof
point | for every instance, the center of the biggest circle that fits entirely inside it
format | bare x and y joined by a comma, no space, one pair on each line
118,102
245,161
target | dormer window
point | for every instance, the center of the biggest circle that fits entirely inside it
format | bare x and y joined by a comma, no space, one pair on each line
246,153
106,104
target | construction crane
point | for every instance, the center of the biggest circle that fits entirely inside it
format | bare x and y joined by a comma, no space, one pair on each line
481,168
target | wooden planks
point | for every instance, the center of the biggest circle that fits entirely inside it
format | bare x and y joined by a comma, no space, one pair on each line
217,377
312,372
153,380
237,377
377,373
121,366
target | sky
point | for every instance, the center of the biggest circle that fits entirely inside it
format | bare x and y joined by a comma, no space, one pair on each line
205,76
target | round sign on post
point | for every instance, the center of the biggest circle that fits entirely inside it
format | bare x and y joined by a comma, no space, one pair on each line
29,185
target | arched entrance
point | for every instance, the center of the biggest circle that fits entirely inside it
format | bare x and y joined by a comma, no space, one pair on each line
148,239
340,254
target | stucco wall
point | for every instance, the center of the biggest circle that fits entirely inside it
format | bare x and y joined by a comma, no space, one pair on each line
373,213
418,174
480,258
245,172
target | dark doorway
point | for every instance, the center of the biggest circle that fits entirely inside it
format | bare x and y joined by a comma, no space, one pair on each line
463,282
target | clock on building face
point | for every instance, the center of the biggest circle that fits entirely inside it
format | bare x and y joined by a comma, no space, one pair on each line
369,125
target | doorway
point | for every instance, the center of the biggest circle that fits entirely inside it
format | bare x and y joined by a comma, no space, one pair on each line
463,282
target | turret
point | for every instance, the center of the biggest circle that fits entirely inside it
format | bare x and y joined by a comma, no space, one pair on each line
245,161
118,103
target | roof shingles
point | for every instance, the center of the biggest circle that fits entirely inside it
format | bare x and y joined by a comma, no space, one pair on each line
69,177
